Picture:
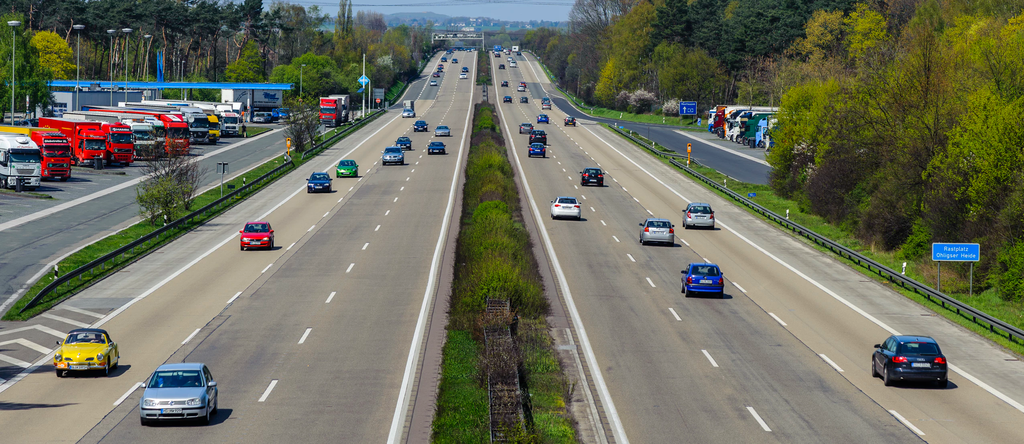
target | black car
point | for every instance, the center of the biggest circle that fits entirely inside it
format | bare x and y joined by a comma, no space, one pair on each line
504,83
909,358
524,99
404,142
501,66
570,120
420,125
318,183
538,136
436,147
591,176
507,99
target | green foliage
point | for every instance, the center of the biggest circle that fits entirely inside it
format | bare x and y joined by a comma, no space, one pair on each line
462,404
803,117
917,244
1008,273
248,68
54,54
30,76
867,29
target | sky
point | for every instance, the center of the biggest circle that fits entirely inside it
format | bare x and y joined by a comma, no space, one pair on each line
555,10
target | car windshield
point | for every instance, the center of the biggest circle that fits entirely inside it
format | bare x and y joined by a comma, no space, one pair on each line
659,224
23,157
93,144
420,122
539,133
143,135
393,150
319,176
442,127
918,348
704,270
327,110
347,163
592,171
177,133
199,123
404,140
567,200
120,138
257,228
85,338
700,209
57,151
231,120
175,379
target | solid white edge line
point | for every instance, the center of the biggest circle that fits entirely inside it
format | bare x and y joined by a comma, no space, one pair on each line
630,256
906,423
329,298
685,242
414,348
266,268
829,362
189,338
273,382
758,418
305,335
674,314
708,355
777,319
234,297
738,287
649,281
127,394
618,431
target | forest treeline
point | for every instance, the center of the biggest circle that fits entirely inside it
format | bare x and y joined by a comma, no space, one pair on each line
897,120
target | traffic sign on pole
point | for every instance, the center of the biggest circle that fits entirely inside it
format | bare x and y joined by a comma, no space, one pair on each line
363,80
687,108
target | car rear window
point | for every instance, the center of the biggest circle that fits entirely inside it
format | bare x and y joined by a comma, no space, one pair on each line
918,348
567,200
347,163
700,209
704,270
256,228
659,224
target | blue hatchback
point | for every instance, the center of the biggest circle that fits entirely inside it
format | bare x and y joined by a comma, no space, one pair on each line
543,118
703,278
537,149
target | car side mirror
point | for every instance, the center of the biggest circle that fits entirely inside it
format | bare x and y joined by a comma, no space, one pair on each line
212,384
271,231
241,231
58,343
641,225
683,271
673,225
878,345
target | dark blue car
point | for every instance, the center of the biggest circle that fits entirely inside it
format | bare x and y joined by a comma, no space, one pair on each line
436,147
318,183
537,149
404,142
703,278
909,358
420,125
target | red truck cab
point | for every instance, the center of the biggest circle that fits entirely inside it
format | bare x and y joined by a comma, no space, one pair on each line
329,111
88,141
56,150
177,143
120,144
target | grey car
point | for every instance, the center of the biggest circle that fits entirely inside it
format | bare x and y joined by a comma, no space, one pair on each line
657,230
179,392
442,130
698,215
392,154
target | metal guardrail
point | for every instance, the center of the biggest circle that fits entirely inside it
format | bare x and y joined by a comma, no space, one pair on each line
979,317
155,235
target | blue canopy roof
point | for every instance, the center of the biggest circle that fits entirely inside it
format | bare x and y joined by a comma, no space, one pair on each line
175,85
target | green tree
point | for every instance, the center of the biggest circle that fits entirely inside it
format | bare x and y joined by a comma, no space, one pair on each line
31,79
54,54
248,68
866,29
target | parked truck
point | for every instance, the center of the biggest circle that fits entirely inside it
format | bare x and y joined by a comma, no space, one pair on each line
198,122
19,162
171,127
334,109
146,142
55,150
120,143
230,124
88,141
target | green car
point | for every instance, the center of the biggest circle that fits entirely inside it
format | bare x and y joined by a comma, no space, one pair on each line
348,168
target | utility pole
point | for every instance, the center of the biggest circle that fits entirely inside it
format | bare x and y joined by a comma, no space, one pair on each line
111,32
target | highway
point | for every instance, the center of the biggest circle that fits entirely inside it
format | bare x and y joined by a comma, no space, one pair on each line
783,358
328,323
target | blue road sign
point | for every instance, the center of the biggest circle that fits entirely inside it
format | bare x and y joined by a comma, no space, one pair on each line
751,194
687,108
956,252
363,80
360,90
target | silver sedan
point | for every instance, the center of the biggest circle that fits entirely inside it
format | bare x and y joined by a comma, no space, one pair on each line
179,392
392,154
657,230
699,215
566,207
442,130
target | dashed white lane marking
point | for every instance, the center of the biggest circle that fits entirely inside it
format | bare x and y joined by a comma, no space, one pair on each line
616,239
127,394
366,245
407,179
685,242
396,200
329,298
649,212
266,268
378,227
311,228
80,311
674,314
270,388
325,214
706,261
290,246
593,210
649,281
234,297
758,418
905,422
350,188
563,170
630,256
305,335
738,286
777,319
401,189
567,177
576,187
829,362
64,320
350,267
189,338
602,223
637,200
387,212
584,197
708,355
412,170
340,198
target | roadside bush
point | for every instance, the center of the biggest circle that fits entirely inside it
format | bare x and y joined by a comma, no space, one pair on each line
1009,272
670,107
641,101
622,100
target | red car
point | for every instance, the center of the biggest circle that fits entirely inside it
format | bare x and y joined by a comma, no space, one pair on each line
257,235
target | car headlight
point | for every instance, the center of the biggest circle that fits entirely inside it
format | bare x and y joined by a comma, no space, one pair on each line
194,402
148,402
99,357
266,238
57,357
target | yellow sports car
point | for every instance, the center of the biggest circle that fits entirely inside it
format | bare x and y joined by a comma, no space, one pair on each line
86,349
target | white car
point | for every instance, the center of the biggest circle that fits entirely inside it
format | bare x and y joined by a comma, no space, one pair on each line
408,113
433,83
463,76
564,206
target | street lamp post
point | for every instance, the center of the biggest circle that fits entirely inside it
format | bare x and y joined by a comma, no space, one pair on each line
78,62
145,70
111,32
14,24
126,31
300,82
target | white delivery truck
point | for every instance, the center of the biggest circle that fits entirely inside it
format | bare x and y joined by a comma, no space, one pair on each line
20,160
409,108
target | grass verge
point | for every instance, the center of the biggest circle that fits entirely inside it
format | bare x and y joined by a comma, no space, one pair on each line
922,271
496,262
114,241
253,131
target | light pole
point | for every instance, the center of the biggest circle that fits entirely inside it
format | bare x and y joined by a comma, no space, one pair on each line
300,82
126,31
145,72
78,62
14,24
111,32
